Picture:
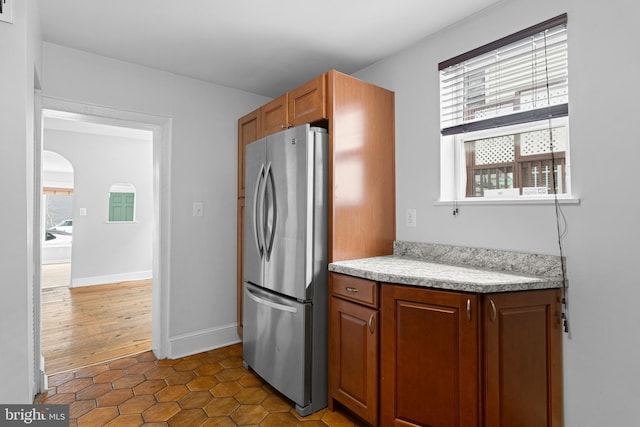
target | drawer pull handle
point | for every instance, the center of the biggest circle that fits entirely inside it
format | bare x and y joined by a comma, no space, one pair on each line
492,313
350,289
469,310
371,324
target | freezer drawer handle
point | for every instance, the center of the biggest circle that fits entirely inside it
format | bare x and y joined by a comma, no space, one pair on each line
272,304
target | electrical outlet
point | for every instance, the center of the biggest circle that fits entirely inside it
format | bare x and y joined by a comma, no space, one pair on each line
6,11
411,218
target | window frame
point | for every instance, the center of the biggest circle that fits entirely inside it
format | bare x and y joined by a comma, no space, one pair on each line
454,145
453,166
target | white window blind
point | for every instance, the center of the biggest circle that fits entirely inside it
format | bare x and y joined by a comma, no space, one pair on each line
518,79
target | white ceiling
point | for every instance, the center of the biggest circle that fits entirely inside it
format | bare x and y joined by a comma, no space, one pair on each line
262,46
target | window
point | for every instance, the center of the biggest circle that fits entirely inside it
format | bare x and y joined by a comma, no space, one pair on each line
122,199
504,117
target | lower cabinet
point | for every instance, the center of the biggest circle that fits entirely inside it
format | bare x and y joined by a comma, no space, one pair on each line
522,339
453,359
353,346
445,358
430,370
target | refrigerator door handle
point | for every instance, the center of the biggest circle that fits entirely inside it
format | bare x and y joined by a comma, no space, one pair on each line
271,304
270,212
257,215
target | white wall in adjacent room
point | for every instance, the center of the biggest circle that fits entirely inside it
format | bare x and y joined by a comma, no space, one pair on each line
105,252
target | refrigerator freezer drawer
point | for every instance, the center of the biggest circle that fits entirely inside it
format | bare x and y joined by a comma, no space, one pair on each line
277,341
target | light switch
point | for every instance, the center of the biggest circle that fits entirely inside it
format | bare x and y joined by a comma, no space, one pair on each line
83,211
198,208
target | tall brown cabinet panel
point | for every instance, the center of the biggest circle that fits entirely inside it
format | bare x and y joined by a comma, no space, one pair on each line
362,169
239,293
248,131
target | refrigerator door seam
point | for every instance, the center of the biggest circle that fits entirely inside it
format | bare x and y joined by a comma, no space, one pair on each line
310,206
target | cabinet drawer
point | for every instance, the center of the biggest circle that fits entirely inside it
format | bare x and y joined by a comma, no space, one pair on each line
355,289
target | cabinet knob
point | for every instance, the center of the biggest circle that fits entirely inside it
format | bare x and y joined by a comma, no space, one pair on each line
371,324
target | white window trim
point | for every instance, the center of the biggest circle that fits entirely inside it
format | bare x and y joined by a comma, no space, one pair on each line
453,183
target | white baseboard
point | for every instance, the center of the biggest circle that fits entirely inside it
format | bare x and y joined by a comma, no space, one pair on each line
111,278
204,340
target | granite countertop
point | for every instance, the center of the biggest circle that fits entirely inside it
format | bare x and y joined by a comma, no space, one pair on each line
427,268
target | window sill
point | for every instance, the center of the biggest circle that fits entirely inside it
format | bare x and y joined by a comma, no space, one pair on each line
567,200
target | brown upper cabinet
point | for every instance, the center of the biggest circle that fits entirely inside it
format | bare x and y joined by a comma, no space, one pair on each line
305,104
248,131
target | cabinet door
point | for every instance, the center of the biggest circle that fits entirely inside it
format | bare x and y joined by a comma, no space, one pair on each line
353,358
307,103
273,116
523,347
429,360
248,131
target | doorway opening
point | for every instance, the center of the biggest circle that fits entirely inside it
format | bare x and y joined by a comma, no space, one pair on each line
88,282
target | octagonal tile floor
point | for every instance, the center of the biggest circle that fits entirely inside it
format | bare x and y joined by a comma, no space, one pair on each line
206,389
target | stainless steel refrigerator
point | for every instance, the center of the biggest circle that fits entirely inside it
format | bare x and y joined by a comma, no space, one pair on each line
285,264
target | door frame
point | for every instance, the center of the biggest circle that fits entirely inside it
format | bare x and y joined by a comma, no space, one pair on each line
161,129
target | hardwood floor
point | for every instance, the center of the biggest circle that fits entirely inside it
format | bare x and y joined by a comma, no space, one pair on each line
93,324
